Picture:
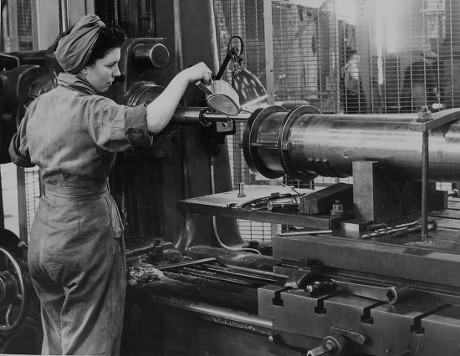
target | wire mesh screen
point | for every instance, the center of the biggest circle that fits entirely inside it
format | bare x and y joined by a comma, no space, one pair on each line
30,181
25,25
351,56
343,56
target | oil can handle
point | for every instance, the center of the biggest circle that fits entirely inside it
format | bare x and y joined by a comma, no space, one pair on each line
203,87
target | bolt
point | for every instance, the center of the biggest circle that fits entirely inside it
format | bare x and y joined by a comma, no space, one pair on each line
330,345
424,115
273,337
241,190
22,245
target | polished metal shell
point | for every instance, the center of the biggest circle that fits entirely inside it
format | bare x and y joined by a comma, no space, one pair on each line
303,144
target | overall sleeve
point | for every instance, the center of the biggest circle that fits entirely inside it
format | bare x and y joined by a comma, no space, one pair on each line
19,150
117,128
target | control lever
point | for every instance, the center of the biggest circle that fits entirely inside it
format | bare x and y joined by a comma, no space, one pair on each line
388,294
350,334
333,345
299,277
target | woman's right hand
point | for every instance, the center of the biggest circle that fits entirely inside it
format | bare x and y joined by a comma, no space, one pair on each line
161,110
199,71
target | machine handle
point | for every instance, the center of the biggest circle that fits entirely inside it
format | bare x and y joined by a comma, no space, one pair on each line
203,87
232,52
333,345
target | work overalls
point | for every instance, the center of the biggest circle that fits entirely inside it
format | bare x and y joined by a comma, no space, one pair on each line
76,250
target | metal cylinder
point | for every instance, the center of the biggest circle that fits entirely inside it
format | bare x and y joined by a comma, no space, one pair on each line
304,143
260,141
148,55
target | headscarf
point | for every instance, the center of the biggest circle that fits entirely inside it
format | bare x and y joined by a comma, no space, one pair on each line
74,49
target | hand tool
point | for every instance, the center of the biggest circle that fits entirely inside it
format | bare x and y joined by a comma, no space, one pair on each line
383,232
399,230
261,203
431,226
373,227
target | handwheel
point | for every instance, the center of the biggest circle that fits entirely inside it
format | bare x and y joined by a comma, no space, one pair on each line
13,292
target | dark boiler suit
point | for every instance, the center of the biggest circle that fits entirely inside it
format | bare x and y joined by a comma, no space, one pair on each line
76,250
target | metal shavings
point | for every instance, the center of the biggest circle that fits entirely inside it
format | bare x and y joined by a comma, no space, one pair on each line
143,273
423,243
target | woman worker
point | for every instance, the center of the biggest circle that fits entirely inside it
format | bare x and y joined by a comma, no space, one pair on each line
72,133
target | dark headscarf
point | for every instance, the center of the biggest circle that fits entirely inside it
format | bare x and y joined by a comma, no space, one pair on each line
74,50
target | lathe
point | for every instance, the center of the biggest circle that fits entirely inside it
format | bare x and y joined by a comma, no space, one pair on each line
362,267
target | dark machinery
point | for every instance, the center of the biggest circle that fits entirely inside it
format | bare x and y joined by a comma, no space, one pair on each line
360,268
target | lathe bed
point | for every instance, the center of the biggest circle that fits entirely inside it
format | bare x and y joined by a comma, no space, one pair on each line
245,295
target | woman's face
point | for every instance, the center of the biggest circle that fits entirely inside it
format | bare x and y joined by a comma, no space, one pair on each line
102,73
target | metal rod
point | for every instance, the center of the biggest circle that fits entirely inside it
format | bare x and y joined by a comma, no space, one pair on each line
215,277
214,311
425,159
257,278
269,51
317,232
257,271
2,214
187,263
63,16
196,116
178,49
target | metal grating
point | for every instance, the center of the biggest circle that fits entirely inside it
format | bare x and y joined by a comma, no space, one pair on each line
30,182
408,53
25,25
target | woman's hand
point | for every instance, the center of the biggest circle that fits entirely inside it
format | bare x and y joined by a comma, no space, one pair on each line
161,110
199,71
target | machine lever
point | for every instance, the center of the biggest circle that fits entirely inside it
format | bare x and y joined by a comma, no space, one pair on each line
388,294
350,334
299,277
333,345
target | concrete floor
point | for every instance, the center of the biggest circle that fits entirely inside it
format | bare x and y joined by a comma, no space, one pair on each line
10,197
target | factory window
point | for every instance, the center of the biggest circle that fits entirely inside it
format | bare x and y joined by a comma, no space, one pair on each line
343,56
